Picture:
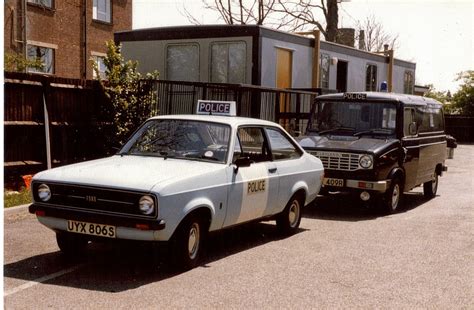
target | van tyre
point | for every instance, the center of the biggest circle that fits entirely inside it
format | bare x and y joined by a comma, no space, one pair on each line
289,220
71,245
188,243
392,197
430,188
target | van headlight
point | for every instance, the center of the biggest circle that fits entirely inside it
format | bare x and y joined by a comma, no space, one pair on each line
44,192
366,161
146,205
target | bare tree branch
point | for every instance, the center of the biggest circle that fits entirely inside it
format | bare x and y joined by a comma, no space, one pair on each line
375,36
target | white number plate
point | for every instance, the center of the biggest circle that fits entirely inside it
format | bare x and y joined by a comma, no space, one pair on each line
333,182
91,229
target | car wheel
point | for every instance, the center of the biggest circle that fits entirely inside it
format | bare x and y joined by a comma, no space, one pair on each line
289,220
71,244
188,243
392,197
430,188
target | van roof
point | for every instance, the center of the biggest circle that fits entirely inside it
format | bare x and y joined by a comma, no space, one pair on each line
379,96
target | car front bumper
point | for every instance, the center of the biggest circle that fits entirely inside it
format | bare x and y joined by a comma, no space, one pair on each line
126,228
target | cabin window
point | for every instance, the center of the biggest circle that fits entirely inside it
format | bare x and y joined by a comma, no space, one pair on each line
324,71
371,78
228,62
408,82
182,62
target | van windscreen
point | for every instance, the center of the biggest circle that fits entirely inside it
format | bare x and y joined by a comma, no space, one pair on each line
353,118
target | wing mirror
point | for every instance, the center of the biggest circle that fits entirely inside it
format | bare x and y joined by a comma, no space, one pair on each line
242,162
412,129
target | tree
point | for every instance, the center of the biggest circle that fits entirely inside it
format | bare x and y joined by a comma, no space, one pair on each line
463,99
374,35
237,12
14,62
130,93
279,14
302,14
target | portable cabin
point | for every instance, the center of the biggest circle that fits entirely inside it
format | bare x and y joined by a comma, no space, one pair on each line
252,54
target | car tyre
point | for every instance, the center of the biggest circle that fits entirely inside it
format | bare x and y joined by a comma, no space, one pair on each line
289,220
188,243
392,197
430,188
71,245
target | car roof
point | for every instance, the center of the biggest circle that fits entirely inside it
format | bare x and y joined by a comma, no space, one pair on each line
233,121
380,96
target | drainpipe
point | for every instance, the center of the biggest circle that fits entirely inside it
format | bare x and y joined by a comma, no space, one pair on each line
316,51
84,38
25,48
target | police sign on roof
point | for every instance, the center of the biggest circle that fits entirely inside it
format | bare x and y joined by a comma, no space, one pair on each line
212,107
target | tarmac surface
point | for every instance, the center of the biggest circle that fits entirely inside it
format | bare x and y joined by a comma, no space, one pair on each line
344,256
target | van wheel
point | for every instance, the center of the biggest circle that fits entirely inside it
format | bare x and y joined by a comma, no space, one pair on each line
188,243
71,244
392,197
289,220
430,188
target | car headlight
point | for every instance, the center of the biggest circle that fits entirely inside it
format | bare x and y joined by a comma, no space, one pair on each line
44,193
146,205
366,161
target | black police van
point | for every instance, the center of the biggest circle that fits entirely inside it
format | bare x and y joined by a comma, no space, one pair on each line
378,145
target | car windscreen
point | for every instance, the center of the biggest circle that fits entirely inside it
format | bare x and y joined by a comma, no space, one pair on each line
353,118
184,139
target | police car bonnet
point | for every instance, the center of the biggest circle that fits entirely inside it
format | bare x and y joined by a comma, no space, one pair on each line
212,107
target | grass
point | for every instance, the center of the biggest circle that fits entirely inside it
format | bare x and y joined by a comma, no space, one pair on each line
12,199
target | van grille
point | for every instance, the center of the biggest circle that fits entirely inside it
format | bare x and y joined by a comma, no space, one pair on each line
338,161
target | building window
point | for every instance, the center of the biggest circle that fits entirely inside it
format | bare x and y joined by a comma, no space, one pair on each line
101,11
324,71
44,55
228,62
408,83
99,61
371,78
182,62
45,3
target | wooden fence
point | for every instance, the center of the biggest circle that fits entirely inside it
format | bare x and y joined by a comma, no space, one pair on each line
461,127
77,118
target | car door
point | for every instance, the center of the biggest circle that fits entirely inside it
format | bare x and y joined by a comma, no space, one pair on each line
253,189
285,156
411,145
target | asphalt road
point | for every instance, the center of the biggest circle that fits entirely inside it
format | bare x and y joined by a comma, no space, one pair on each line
343,257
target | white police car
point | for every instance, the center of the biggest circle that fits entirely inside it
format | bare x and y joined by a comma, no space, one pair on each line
178,178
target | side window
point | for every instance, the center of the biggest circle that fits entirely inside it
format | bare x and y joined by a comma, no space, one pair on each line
408,118
182,62
253,144
281,147
430,119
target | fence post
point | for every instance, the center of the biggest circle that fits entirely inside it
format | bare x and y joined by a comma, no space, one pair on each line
46,90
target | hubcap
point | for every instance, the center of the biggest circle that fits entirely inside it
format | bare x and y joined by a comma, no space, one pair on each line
193,240
294,213
395,196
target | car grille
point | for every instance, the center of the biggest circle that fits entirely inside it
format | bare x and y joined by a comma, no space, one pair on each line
338,161
94,199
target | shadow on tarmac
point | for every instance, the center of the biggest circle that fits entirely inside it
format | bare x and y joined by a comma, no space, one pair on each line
122,266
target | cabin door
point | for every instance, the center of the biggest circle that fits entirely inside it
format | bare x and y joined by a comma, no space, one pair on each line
284,66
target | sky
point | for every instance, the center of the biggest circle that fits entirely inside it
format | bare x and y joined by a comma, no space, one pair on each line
435,34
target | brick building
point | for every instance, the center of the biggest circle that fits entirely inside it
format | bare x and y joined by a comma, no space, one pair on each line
64,34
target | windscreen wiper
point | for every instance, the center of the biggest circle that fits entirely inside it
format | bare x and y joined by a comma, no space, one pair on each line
373,131
336,129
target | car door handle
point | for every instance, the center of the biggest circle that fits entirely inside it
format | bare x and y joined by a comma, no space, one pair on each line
272,170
